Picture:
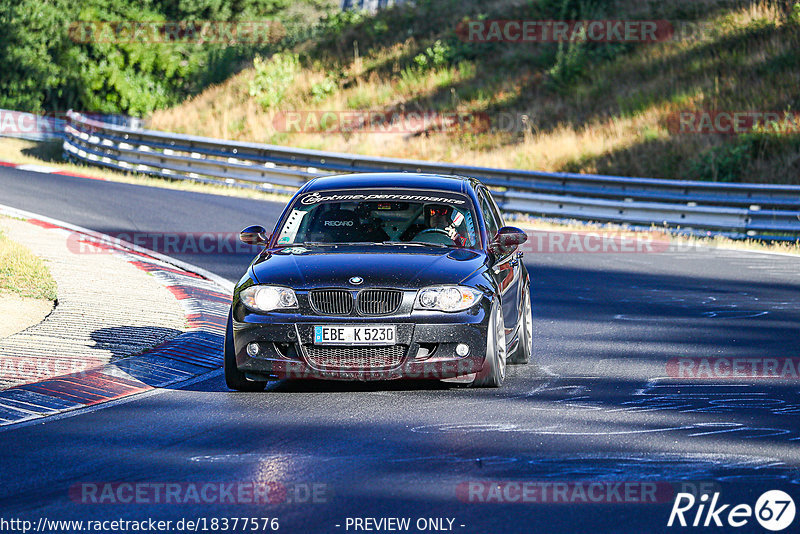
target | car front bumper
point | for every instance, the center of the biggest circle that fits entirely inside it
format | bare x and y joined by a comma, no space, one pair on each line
425,349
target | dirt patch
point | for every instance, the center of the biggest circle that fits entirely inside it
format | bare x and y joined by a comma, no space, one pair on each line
19,313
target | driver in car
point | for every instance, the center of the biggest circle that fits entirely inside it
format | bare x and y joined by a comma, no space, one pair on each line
443,217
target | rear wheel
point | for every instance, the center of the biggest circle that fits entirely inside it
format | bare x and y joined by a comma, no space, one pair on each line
494,368
525,346
234,378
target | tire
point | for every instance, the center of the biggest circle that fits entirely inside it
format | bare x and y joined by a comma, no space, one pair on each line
234,378
494,368
524,349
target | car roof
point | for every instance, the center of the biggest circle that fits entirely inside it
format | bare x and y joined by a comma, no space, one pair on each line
439,182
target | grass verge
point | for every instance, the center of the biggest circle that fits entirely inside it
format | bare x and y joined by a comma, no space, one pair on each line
22,273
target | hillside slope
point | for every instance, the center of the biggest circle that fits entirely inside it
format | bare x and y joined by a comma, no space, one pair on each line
588,107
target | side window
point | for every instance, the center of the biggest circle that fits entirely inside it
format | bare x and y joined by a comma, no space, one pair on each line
488,215
495,209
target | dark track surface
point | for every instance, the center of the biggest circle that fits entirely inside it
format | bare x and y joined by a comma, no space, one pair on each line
605,327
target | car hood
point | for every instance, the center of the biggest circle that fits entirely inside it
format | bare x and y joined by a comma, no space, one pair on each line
379,266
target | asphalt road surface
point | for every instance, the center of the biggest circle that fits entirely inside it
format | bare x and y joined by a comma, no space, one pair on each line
595,438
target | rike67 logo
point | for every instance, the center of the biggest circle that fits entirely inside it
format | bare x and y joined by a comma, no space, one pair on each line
774,510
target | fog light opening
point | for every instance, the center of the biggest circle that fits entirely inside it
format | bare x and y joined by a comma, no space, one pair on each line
426,350
252,349
283,349
462,349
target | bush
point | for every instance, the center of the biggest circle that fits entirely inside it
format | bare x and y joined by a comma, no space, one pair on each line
433,57
30,53
570,63
273,77
722,163
322,90
730,161
336,23
45,68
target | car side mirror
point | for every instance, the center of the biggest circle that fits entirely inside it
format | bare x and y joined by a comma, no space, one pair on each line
254,235
507,239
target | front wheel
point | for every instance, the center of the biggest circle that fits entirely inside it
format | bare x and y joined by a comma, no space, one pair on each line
494,368
234,378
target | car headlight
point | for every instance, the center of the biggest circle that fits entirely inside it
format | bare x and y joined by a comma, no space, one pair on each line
447,298
268,298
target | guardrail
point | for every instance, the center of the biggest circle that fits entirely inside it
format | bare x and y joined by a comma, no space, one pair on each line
738,210
30,126
49,126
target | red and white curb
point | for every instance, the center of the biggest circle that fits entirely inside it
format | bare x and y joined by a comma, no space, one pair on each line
46,169
204,297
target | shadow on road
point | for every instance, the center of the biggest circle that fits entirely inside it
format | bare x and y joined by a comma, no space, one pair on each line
125,341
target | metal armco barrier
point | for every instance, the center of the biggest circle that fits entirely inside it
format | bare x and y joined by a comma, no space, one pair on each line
30,126
761,211
49,126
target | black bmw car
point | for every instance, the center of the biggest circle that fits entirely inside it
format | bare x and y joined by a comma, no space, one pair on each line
382,276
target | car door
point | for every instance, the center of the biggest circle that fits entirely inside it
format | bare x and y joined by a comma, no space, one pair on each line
506,267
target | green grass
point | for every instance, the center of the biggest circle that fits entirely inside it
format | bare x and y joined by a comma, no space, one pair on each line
23,273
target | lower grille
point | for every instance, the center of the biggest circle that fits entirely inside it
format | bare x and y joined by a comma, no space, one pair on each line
362,358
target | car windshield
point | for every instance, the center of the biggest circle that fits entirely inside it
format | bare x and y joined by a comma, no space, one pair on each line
380,217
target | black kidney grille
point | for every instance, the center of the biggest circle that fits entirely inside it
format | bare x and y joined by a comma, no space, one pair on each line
361,358
331,301
379,301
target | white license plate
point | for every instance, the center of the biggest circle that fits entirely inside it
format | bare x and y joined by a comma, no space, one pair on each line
355,335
